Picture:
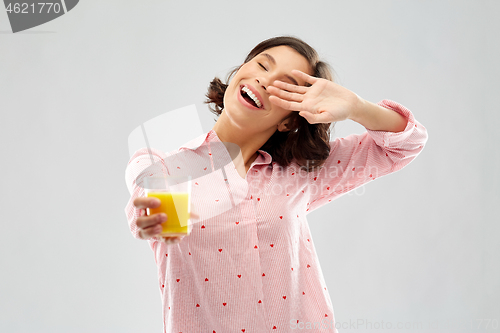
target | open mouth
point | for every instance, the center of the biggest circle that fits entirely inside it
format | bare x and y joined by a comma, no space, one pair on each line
249,96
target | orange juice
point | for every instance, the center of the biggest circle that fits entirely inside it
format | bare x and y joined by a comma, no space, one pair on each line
175,205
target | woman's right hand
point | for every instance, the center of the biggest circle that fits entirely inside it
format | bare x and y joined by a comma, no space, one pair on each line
150,225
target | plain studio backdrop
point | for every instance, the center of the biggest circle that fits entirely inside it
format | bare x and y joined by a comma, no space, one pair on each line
419,247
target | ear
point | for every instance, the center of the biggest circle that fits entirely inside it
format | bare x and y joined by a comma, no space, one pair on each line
285,125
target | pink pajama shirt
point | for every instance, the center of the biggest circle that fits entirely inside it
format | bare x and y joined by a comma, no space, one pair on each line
249,263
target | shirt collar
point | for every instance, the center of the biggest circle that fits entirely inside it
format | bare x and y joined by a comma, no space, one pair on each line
198,141
263,158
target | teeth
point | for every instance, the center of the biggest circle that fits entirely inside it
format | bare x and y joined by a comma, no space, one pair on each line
252,96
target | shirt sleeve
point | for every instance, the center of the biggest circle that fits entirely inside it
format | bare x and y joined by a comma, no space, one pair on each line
143,163
360,158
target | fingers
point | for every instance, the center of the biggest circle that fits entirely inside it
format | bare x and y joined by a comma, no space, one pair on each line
150,226
150,232
285,94
292,106
301,75
145,202
289,87
144,222
316,118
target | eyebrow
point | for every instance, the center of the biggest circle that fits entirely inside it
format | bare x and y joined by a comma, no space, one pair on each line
271,59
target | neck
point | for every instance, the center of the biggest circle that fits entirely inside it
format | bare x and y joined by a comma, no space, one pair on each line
247,140
247,148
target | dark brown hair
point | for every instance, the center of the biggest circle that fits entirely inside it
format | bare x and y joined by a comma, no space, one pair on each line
307,144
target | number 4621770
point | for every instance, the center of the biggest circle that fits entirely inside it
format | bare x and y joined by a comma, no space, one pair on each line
38,8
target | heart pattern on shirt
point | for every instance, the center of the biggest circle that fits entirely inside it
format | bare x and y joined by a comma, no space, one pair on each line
271,245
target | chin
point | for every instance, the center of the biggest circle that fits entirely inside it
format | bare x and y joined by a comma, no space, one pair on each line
231,102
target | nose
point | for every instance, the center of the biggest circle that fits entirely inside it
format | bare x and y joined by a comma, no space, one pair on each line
262,84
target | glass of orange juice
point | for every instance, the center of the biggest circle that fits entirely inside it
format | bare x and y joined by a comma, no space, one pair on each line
174,193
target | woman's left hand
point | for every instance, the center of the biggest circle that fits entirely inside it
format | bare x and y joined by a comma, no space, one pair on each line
322,102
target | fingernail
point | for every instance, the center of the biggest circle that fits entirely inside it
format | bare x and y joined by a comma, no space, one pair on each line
158,229
162,217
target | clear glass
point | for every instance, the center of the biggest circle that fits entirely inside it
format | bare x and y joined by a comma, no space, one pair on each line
175,196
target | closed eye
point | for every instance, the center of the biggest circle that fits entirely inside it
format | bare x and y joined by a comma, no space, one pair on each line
262,66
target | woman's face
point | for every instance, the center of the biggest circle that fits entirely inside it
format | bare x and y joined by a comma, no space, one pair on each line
246,100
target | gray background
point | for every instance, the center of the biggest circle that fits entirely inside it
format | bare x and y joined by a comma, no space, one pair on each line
420,245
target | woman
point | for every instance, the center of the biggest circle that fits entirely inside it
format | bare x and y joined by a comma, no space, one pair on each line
252,267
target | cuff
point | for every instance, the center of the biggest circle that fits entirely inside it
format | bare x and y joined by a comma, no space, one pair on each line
391,139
